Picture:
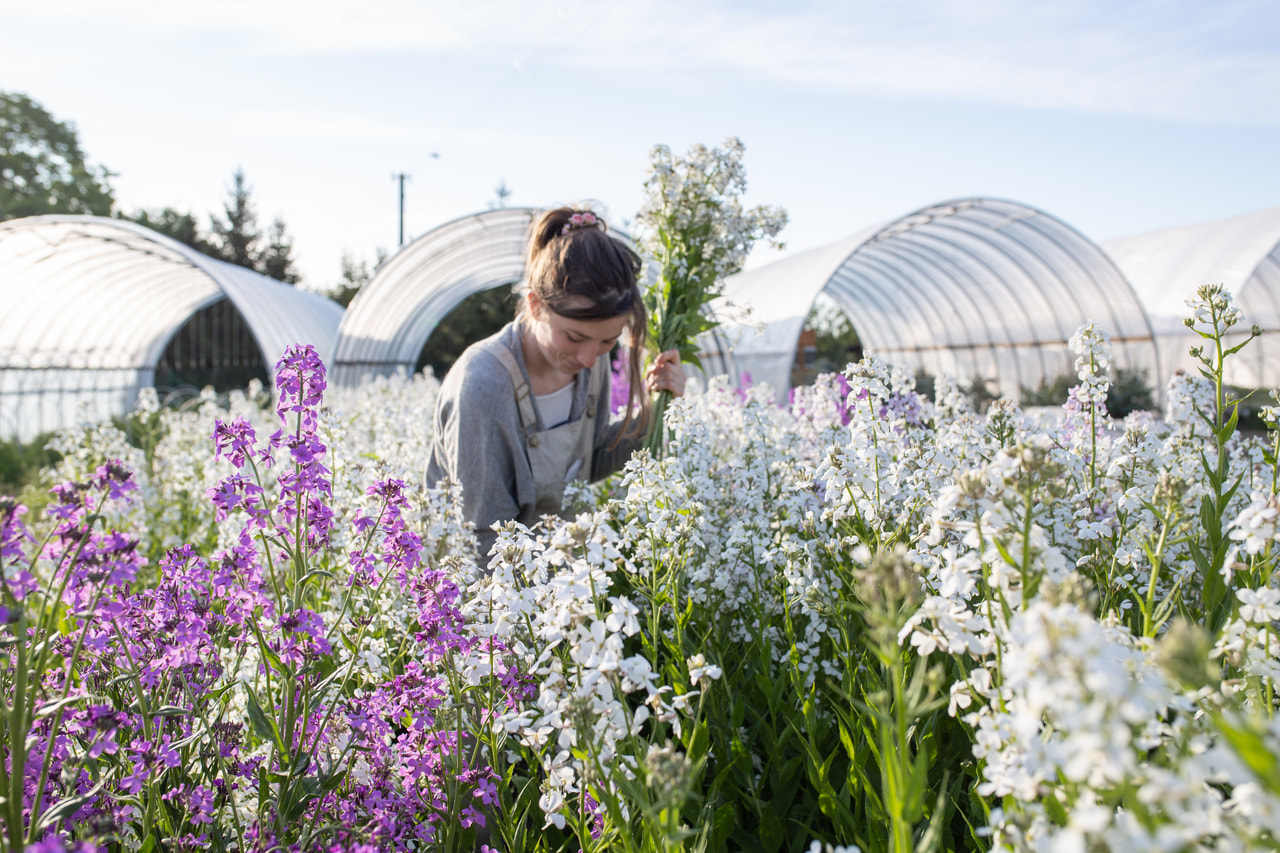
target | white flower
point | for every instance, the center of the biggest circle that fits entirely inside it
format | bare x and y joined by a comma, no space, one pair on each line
1259,606
700,672
551,802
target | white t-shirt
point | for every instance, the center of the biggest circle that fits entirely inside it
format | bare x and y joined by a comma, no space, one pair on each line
555,407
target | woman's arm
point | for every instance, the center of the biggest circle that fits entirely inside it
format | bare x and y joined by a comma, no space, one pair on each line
478,444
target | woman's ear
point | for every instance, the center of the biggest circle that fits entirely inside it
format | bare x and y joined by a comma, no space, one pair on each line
534,304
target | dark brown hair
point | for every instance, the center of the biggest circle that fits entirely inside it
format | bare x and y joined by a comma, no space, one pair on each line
572,255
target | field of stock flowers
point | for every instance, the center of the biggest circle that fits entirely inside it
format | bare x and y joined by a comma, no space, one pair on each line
863,621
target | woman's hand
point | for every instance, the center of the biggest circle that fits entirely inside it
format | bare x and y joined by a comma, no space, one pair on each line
665,374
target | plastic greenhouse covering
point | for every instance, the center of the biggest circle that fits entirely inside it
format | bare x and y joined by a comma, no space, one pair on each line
977,287
1166,267
90,304
395,313
974,288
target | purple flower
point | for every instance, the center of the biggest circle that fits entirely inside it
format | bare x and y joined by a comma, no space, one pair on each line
233,441
300,380
238,490
902,407
201,803
1078,413
115,479
620,383
13,532
57,845
70,502
21,584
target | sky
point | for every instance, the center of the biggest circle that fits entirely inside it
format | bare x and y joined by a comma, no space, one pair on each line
1116,117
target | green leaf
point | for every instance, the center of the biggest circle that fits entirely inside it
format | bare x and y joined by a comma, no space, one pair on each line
1056,811
264,726
698,743
723,823
1252,749
931,839
49,709
847,740
1235,349
66,808
264,648
917,781
1228,429
771,831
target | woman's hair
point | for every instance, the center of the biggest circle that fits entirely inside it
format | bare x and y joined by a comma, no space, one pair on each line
572,255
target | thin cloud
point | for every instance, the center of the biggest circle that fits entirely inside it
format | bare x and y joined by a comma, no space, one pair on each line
1188,61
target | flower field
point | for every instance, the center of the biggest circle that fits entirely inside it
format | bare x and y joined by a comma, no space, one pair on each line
863,620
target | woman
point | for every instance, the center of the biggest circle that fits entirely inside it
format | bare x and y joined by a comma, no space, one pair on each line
526,410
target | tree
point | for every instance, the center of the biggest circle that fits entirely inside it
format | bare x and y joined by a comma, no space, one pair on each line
355,275
501,193
276,260
42,168
172,223
236,234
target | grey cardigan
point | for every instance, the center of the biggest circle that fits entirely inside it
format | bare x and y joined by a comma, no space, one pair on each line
478,440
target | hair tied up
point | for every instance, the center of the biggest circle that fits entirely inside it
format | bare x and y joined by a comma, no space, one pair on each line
584,219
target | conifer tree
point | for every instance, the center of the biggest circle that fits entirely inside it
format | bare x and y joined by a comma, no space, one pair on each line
236,234
276,260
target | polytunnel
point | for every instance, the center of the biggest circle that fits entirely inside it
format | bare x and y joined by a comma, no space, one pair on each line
1168,266
973,288
90,304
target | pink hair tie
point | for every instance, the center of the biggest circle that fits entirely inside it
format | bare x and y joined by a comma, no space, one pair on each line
579,220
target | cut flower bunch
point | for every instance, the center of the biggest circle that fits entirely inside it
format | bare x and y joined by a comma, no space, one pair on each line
868,620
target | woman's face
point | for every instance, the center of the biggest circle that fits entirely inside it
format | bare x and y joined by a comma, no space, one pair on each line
569,345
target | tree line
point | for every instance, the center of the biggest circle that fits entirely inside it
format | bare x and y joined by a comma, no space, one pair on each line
44,170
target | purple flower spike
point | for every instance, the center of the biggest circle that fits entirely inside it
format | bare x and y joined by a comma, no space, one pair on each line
13,532
300,379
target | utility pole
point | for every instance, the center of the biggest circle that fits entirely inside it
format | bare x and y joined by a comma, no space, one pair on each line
401,177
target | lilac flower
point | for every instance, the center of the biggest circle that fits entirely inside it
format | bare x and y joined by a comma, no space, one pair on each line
70,502
201,804
364,570
1083,408
235,441
115,479
13,532
902,408
300,381
238,490
392,493
58,845
619,384
308,638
